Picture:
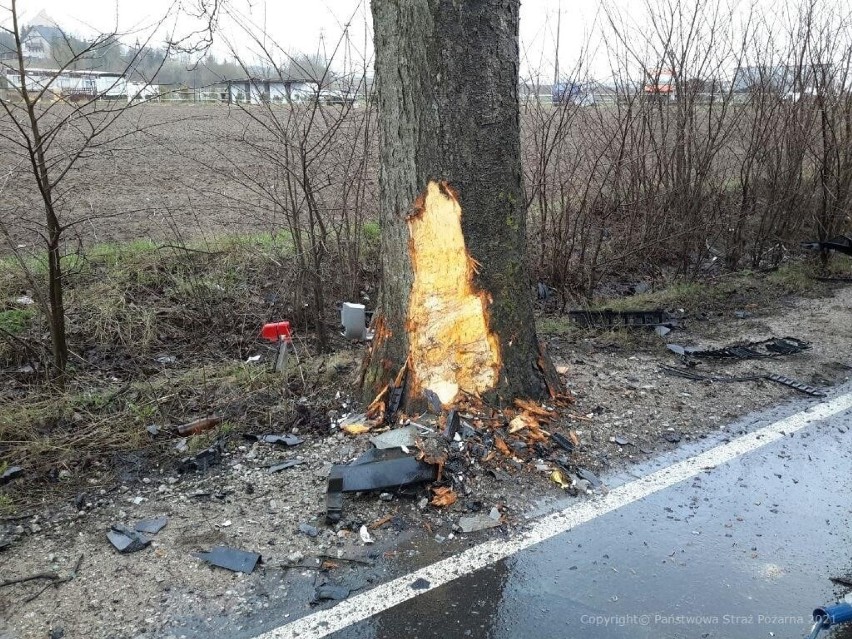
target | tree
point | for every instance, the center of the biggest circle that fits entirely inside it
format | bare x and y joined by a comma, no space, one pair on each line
455,312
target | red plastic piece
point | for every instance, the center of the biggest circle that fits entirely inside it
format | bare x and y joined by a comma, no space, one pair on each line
276,331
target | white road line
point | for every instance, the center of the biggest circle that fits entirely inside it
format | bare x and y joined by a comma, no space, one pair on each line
392,593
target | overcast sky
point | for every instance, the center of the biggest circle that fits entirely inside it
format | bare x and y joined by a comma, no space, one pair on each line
300,25
311,26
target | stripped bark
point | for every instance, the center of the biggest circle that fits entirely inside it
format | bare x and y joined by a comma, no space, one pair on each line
455,307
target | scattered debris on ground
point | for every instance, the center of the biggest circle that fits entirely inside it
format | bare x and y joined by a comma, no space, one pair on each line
127,540
12,472
839,243
689,373
231,559
772,347
484,469
625,319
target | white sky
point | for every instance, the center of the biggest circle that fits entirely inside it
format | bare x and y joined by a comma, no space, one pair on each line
309,26
298,25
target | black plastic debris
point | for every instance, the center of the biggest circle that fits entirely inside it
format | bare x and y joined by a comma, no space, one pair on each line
328,592
687,373
420,584
334,499
562,441
377,469
589,476
839,243
453,424
395,398
231,559
795,385
282,440
126,540
12,472
289,463
203,460
383,469
623,319
151,526
771,347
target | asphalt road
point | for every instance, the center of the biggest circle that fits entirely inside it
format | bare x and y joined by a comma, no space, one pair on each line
742,550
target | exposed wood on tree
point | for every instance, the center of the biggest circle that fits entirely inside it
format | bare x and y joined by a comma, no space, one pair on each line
456,302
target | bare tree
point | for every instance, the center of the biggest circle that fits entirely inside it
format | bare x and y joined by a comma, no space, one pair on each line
307,124
56,120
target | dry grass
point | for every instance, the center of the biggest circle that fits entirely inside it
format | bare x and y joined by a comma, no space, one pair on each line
128,306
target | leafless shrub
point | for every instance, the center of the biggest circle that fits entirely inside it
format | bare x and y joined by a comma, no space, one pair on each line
720,139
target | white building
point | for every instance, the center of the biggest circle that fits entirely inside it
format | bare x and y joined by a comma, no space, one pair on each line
71,85
39,36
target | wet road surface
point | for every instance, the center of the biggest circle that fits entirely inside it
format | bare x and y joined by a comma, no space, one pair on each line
743,550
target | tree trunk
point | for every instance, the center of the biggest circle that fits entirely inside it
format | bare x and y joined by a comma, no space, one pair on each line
455,309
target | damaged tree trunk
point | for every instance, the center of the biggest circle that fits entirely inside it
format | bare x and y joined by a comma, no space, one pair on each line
455,309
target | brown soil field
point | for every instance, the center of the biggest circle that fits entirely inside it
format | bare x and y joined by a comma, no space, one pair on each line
172,174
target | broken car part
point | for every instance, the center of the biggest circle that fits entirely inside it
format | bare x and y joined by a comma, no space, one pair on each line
230,559
278,332
12,472
623,319
778,379
772,347
126,540
395,396
475,523
453,424
839,243
353,318
328,592
562,441
203,460
589,476
151,526
396,438
284,440
374,470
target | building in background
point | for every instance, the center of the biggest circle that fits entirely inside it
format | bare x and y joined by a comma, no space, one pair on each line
39,37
